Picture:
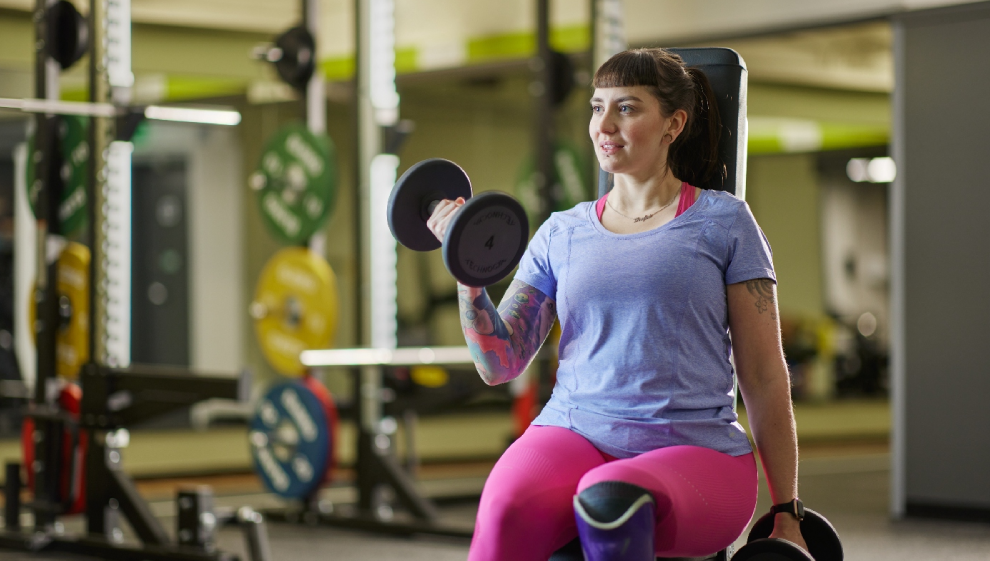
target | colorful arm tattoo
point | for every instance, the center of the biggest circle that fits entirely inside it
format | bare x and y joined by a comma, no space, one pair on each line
504,341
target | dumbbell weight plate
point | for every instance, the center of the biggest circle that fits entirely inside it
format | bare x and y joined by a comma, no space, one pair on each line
821,537
771,550
427,181
486,240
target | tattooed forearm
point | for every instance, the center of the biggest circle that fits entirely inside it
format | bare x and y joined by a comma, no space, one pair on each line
762,290
504,341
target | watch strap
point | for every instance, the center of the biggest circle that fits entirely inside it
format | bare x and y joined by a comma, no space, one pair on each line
793,507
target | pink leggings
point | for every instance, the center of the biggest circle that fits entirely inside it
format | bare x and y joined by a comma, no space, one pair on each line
704,498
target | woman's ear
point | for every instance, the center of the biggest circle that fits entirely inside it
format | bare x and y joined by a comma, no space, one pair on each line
676,126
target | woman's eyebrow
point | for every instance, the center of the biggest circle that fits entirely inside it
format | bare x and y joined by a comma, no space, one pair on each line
616,100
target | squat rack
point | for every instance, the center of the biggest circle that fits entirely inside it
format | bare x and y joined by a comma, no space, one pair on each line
114,395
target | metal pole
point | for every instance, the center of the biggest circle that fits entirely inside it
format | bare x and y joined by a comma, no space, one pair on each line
608,37
43,160
545,176
46,437
102,131
314,100
360,238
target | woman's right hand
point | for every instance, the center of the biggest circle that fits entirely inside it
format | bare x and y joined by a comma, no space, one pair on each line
442,216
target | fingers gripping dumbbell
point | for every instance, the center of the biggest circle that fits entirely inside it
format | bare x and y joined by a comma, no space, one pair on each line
821,537
485,240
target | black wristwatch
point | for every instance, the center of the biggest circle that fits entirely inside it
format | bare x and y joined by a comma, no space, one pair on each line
793,507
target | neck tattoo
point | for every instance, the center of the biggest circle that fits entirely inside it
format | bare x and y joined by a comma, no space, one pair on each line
645,217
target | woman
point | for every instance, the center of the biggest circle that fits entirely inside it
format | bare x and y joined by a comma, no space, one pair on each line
639,450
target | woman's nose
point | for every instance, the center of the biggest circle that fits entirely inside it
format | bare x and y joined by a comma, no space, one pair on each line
605,122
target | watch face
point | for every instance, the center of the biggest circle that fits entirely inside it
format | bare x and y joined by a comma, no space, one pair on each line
799,509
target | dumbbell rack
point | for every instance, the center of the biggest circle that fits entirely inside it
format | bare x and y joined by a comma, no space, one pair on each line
113,399
375,465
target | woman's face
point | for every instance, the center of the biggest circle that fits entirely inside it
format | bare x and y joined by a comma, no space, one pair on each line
630,134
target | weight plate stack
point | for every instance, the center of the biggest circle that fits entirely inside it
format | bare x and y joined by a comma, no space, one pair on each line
73,154
72,288
72,477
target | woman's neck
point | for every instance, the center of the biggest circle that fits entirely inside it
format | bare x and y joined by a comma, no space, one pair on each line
638,195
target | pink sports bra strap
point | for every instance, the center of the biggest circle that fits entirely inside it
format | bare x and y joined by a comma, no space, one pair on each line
687,199
600,206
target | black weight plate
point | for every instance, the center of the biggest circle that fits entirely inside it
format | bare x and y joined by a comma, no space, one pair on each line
766,549
68,33
486,240
424,182
298,59
821,537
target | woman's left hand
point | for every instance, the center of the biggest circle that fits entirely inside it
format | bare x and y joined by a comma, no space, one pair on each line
786,527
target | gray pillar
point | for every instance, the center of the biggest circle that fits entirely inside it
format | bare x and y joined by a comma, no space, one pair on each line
940,256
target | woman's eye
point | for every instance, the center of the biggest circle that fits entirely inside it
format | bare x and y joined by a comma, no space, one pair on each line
625,108
596,108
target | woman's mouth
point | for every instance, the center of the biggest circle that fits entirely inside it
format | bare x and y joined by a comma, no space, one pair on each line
609,148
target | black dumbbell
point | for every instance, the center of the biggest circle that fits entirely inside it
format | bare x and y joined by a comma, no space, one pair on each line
821,537
486,239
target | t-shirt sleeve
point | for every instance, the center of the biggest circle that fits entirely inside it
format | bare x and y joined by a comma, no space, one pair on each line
749,254
534,267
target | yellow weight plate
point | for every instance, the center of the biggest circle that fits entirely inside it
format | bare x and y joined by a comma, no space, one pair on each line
72,286
295,308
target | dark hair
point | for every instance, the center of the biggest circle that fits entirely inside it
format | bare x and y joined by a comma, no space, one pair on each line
693,157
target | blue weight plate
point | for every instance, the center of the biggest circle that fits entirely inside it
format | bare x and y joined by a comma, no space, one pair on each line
424,182
821,537
486,240
291,441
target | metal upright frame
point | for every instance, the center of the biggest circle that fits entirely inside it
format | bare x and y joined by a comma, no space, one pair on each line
376,467
113,398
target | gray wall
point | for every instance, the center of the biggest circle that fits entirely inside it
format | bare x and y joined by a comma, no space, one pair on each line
943,235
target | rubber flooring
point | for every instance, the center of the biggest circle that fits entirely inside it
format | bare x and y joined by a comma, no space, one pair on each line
847,483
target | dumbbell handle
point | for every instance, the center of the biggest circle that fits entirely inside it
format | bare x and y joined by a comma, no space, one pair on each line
432,207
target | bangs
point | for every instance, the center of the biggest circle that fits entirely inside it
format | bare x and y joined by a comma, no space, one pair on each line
637,67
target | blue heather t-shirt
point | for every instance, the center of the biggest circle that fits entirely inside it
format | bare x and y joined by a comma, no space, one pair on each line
644,346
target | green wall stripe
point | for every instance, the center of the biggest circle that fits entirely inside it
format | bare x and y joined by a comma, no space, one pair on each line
338,68
834,136
504,45
406,60
521,44
194,87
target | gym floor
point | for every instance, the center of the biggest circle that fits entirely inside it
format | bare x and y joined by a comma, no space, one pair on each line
845,478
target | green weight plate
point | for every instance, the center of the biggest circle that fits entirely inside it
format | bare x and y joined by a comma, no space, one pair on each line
572,187
296,183
74,154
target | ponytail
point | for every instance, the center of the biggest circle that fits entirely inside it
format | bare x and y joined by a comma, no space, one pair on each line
694,155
